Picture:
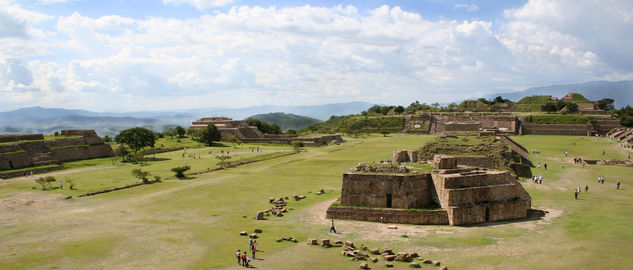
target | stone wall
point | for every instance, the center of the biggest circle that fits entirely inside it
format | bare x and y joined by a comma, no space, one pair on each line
79,132
25,154
481,162
4,175
404,156
504,123
557,129
488,212
371,190
20,137
390,215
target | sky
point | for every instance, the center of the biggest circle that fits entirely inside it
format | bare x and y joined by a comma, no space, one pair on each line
128,55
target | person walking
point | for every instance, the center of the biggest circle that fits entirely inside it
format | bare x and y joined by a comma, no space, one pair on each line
250,242
332,229
244,259
618,185
576,195
254,249
545,166
61,185
239,257
586,188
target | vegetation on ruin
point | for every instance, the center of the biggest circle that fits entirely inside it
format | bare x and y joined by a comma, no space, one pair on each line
195,224
286,121
558,119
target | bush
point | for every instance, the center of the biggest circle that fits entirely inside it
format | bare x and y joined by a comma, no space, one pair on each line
42,182
180,171
140,174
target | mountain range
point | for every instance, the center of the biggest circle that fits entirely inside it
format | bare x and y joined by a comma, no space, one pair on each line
621,91
49,120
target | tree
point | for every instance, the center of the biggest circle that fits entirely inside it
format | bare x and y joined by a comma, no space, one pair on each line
291,132
606,104
297,146
136,138
107,138
42,182
180,131
141,175
180,171
384,133
548,107
223,159
235,140
398,109
207,135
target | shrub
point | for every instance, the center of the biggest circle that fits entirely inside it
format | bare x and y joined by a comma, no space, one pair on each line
180,171
141,175
42,182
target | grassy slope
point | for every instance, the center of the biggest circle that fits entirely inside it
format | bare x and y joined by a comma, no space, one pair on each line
195,223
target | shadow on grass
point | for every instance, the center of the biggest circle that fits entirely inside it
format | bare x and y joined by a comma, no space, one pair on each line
533,214
156,159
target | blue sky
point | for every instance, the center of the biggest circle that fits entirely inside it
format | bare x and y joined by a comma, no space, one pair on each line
180,54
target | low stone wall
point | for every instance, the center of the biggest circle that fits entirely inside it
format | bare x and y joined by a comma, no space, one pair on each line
79,132
20,137
475,180
490,193
558,129
481,162
79,153
28,172
435,217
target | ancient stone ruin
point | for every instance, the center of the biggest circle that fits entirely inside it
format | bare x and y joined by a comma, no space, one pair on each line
22,151
240,128
452,194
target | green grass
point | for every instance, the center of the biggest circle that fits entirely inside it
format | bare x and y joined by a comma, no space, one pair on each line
194,223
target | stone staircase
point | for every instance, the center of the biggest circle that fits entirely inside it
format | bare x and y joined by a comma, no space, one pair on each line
604,125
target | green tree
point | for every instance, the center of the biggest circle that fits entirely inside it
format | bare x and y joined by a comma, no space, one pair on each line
141,175
235,140
207,135
171,132
180,131
298,146
42,182
291,132
136,138
606,104
223,160
180,171
107,138
398,109
548,107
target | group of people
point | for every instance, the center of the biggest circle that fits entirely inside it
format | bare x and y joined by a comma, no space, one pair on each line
538,165
537,179
242,256
256,148
577,160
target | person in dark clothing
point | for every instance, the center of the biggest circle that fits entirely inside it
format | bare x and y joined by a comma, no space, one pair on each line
545,166
332,229
618,185
576,195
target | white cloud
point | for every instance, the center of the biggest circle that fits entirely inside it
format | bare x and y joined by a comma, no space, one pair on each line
308,55
199,4
468,7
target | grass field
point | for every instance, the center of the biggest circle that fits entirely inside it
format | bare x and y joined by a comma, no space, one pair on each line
195,223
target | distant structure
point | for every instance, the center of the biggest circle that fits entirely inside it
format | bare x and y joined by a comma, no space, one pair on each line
31,150
250,134
229,128
465,195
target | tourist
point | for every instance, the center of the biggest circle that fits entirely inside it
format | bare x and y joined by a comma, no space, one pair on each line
61,185
540,179
618,185
244,259
250,242
248,261
603,152
254,249
332,229
538,165
576,195
545,166
238,257
586,188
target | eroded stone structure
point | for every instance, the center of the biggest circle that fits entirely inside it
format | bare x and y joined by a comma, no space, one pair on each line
33,150
466,195
240,128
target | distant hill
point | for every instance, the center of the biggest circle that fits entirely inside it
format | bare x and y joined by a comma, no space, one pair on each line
49,120
287,120
621,91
